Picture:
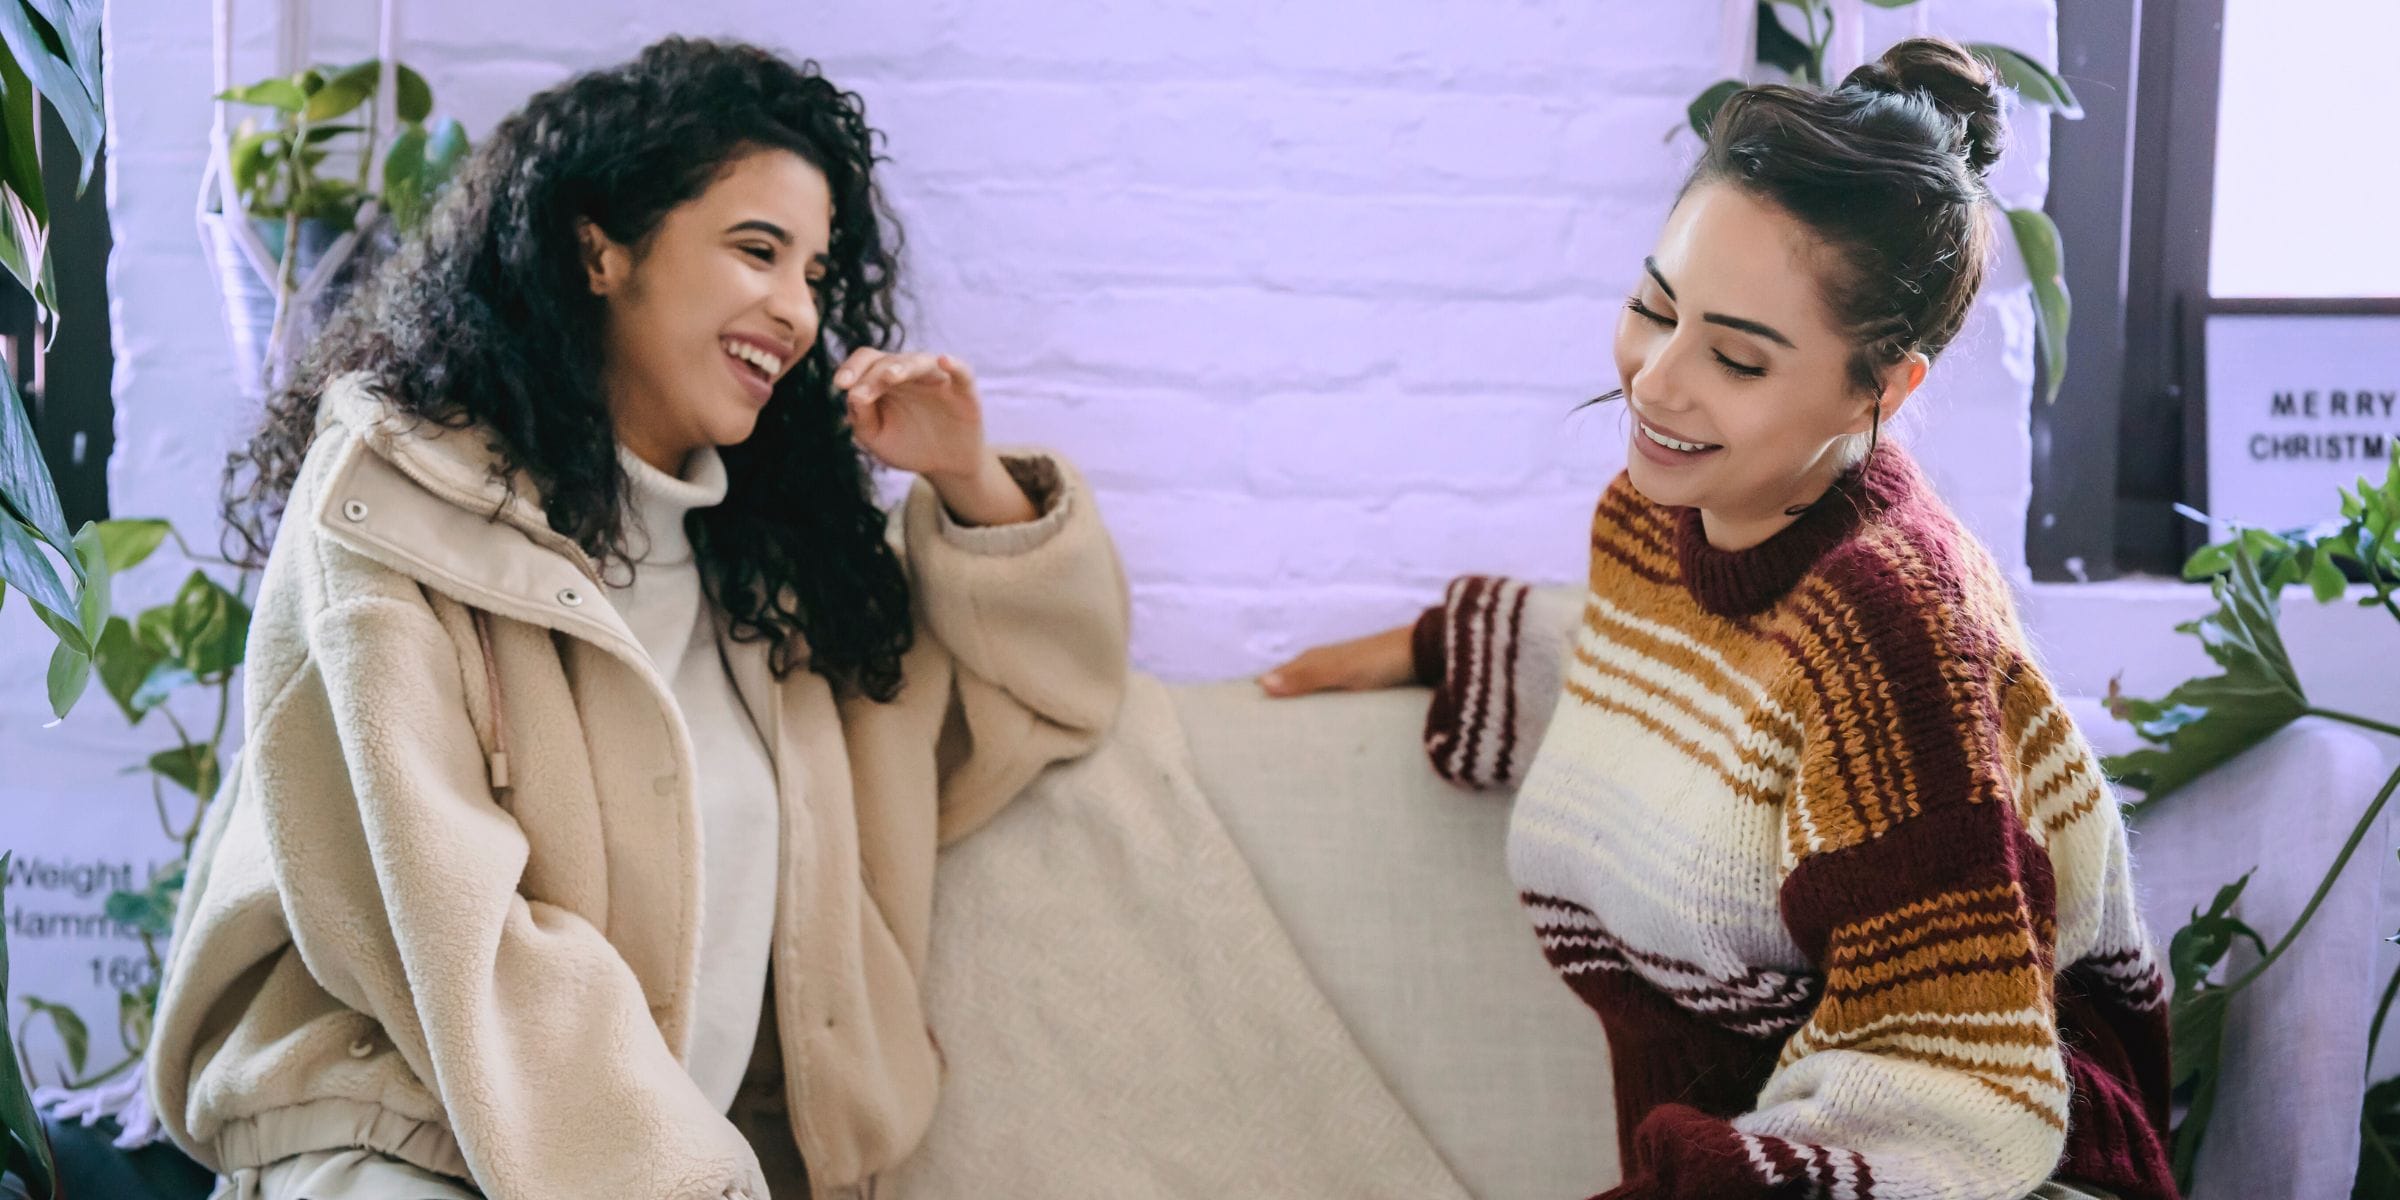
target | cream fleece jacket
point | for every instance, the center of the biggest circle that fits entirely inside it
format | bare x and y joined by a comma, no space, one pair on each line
497,983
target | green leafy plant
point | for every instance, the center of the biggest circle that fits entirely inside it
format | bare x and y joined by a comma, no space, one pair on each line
313,122
2379,1116
1801,57
24,1148
2205,721
192,642
50,49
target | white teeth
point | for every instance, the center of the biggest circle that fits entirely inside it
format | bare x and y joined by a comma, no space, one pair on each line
756,357
1671,443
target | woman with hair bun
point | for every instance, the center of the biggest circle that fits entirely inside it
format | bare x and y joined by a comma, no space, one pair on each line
1797,812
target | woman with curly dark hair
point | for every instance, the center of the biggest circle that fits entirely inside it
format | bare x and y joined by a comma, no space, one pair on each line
601,731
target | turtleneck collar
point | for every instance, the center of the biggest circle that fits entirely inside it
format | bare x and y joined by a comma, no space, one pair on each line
659,502
1740,583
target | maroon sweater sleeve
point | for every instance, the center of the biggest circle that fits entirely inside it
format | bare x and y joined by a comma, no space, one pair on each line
1492,652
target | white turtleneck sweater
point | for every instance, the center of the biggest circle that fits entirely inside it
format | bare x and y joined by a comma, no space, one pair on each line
739,808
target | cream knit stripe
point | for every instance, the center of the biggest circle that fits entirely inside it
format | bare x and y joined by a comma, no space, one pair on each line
1650,872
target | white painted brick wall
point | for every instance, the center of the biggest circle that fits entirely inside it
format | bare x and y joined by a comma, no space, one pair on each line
1308,289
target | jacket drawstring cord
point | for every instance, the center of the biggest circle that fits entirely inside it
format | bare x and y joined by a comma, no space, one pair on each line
491,683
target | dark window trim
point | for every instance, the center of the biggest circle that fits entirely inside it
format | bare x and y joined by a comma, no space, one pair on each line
2133,192
67,387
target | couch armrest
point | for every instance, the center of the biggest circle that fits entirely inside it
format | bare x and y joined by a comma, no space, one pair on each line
2286,1121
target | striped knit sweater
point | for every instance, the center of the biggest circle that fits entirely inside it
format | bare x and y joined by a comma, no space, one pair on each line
1814,837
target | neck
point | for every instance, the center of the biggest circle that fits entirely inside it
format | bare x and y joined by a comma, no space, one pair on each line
1739,529
1731,533
666,455
638,427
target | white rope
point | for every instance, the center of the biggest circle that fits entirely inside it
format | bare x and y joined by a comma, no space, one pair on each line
387,88
1737,38
292,47
1849,45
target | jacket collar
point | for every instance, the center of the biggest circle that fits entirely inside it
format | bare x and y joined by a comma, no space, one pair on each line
422,498
459,464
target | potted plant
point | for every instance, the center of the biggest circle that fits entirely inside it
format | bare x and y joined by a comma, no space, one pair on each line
311,193
2203,722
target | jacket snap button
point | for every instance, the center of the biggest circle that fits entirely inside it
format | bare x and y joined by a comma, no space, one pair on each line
356,510
362,1047
662,785
570,597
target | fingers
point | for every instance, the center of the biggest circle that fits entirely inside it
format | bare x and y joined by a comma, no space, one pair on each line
1299,677
1378,660
869,378
856,364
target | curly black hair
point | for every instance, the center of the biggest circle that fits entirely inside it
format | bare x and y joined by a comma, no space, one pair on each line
485,318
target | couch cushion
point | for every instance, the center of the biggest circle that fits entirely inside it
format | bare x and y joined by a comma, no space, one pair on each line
1395,889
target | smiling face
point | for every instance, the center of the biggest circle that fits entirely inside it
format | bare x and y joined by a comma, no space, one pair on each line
1736,377
706,314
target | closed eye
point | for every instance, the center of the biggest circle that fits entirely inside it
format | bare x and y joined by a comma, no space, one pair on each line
760,251
1738,370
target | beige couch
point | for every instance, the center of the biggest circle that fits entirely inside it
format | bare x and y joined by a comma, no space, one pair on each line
1256,948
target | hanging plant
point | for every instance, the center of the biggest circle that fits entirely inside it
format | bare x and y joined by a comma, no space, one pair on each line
313,119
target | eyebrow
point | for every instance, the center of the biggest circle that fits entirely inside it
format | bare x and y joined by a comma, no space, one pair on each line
1768,332
768,228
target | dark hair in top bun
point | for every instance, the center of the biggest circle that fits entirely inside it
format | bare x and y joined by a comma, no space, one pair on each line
1888,169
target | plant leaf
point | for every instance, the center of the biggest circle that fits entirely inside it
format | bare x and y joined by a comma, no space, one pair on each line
415,101
404,191
340,96
71,662
2036,83
1891,3
164,678
152,909
92,607
70,673
206,626
25,486
2325,578
26,568
2196,1013
445,148
416,97
1779,47
280,94
1702,111
21,132
193,767
2053,307
2205,721
57,68
129,541
66,626
124,665
27,1147
72,1033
